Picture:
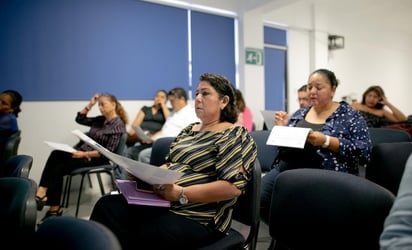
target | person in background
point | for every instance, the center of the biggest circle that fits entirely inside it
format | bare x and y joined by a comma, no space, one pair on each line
339,140
216,159
245,117
303,99
181,116
106,129
373,108
397,230
10,101
303,96
151,120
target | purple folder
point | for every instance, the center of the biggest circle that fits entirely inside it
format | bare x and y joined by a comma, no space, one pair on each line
140,197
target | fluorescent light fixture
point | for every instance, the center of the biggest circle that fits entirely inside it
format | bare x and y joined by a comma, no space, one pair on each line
192,6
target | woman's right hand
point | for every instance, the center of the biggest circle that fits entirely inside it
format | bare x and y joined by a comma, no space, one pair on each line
281,118
94,99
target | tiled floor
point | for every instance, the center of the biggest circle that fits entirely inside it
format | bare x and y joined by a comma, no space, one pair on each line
91,195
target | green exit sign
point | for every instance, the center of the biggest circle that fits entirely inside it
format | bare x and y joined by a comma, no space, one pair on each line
254,56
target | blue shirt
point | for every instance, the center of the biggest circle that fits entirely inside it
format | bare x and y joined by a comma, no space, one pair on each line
8,126
349,126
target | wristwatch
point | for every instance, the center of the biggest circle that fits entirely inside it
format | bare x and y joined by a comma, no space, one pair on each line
327,142
183,199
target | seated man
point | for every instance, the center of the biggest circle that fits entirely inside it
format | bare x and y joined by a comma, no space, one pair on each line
181,116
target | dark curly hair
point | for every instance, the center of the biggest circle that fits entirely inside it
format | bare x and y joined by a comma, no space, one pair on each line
329,75
224,88
16,100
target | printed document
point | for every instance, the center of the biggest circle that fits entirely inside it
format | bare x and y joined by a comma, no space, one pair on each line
285,136
268,118
60,146
142,135
145,172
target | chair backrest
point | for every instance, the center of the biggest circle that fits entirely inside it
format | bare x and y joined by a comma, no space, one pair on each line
247,208
246,217
160,149
382,135
122,144
18,211
266,153
70,233
396,232
11,147
387,164
324,209
121,147
18,166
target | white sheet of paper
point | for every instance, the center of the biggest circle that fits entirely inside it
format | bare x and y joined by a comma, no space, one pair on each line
145,172
60,146
268,118
142,135
288,136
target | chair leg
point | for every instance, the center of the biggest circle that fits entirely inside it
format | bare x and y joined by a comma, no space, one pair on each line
69,186
112,178
99,178
80,194
66,183
90,180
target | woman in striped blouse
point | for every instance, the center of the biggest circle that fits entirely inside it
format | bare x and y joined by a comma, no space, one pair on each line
216,158
106,129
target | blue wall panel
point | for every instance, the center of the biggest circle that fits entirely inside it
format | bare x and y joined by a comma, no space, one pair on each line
70,49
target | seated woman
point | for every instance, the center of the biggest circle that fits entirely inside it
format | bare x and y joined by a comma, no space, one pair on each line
10,101
373,109
105,129
245,117
339,140
151,120
216,158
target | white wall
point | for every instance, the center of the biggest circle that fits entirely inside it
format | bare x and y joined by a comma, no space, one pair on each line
373,54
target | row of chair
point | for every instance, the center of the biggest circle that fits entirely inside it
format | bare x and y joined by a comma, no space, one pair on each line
18,211
18,214
318,209
266,156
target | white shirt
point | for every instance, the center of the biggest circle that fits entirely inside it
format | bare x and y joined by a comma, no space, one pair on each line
177,121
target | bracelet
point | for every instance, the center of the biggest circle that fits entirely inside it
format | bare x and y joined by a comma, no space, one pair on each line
327,142
88,156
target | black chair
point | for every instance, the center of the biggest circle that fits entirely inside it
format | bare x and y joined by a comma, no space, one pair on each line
70,233
18,211
160,149
388,163
382,135
246,218
266,153
98,170
11,147
18,166
397,227
324,209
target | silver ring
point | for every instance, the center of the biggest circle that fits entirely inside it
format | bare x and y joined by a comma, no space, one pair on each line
161,187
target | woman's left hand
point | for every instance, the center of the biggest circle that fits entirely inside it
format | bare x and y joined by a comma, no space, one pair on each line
170,192
79,154
316,138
